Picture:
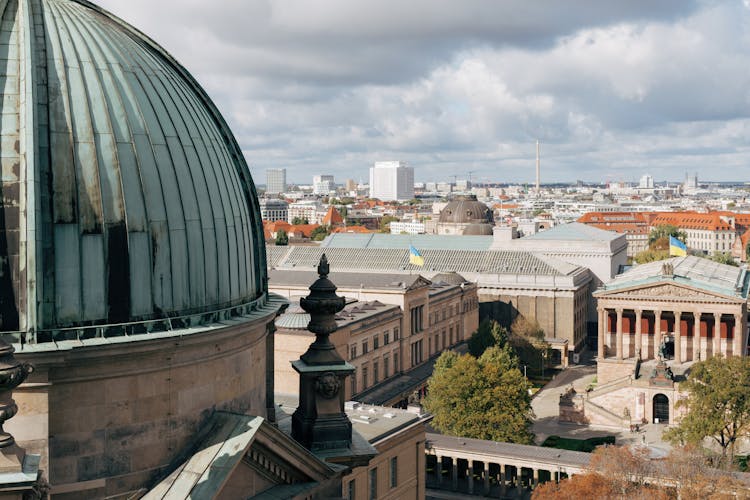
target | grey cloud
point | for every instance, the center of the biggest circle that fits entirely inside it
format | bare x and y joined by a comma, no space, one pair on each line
331,86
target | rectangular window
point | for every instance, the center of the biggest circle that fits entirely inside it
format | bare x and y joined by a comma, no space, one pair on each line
396,366
352,488
352,351
386,338
394,472
386,366
375,374
354,385
395,334
375,342
364,378
374,483
365,350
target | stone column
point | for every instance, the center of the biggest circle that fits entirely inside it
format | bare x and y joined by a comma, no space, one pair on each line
717,334
638,333
486,478
603,320
677,337
470,470
439,469
657,331
502,479
454,473
619,332
536,477
738,335
696,335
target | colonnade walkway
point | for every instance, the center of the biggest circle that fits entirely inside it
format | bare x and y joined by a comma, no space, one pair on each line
500,470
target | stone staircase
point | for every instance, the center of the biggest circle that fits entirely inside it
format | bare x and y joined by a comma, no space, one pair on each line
615,420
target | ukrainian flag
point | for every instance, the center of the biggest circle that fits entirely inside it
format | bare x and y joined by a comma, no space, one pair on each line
415,257
676,247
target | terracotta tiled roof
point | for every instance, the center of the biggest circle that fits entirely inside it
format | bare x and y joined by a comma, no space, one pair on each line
351,229
693,220
302,230
332,217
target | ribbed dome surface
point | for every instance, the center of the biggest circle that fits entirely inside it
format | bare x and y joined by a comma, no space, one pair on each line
125,195
466,209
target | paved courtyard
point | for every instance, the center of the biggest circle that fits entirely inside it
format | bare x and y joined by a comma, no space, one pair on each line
545,405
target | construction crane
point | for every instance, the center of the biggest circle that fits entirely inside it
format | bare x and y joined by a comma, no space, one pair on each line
470,172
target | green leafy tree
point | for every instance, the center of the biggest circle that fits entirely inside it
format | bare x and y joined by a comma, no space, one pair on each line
282,239
724,258
385,223
527,340
718,405
319,233
489,334
299,220
662,232
481,398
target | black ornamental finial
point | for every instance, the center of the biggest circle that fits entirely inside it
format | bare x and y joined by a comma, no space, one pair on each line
322,304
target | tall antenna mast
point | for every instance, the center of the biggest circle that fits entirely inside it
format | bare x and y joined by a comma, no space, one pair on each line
537,168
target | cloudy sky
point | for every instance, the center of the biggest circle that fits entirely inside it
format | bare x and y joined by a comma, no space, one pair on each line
612,89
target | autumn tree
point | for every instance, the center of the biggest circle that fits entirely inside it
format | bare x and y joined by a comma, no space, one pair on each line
658,238
628,472
658,243
527,340
482,398
613,472
717,404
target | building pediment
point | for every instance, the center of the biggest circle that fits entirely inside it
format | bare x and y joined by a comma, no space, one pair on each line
420,282
666,292
240,456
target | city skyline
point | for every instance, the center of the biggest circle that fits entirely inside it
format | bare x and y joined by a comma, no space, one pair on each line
611,91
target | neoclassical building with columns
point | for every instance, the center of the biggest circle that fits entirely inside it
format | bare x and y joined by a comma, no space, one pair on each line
655,321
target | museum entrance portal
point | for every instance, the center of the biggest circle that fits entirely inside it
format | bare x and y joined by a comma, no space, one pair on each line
661,409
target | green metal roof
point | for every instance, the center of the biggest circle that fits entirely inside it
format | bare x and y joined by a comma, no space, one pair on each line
129,197
691,271
402,241
574,231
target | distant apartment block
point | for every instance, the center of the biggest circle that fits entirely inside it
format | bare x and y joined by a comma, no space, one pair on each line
408,227
307,210
391,180
275,180
323,184
273,210
709,233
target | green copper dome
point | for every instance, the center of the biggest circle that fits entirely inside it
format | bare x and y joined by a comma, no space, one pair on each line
125,197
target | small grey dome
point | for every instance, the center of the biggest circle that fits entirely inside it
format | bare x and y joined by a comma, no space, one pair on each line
451,278
478,230
465,209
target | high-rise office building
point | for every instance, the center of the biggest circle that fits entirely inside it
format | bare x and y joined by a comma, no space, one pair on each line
391,180
275,180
